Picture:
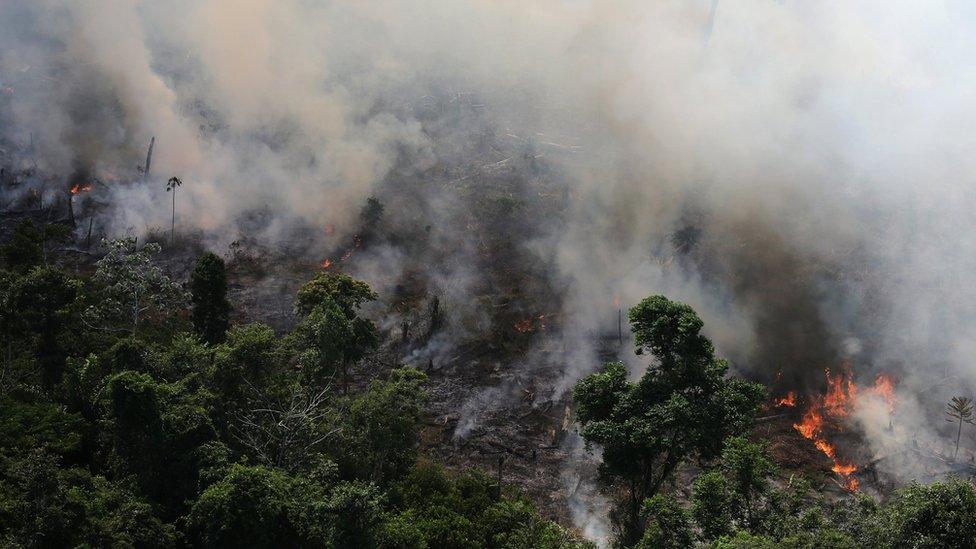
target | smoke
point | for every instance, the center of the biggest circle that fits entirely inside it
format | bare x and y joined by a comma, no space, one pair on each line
798,172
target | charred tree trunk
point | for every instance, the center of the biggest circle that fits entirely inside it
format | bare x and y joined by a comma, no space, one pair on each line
145,171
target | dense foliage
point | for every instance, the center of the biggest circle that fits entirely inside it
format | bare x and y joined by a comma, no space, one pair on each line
686,409
682,407
208,289
132,414
129,418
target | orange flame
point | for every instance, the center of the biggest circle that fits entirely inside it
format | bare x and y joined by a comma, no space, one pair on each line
78,188
884,386
357,242
788,401
326,263
524,326
838,403
841,394
529,324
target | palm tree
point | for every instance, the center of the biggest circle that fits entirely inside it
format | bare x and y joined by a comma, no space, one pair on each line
959,409
171,185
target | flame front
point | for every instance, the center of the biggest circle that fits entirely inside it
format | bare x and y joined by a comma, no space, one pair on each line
840,400
788,401
79,188
524,326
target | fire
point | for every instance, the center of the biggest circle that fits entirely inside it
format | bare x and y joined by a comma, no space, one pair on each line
357,242
884,387
524,326
841,393
840,400
788,401
527,325
811,424
79,188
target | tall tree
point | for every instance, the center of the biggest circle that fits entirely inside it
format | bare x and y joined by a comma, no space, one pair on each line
682,407
208,291
172,185
132,285
959,410
332,331
46,302
29,245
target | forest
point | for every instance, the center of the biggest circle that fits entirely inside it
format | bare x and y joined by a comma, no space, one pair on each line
135,414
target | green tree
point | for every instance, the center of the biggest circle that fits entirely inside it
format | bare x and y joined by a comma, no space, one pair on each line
683,406
372,212
434,508
38,425
247,508
332,333
379,434
350,294
133,286
48,505
208,290
941,515
244,364
25,249
28,245
747,468
329,343
667,524
46,302
132,427
711,505
745,540
356,508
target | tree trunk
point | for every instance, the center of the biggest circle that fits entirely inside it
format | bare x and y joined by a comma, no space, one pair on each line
135,313
172,227
958,436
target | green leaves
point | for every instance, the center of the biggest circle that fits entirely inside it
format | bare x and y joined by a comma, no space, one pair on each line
343,290
208,289
132,286
247,508
941,515
683,406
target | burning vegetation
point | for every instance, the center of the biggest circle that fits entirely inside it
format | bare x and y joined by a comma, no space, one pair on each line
828,414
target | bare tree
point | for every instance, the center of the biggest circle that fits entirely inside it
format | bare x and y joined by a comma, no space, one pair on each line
959,410
284,431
